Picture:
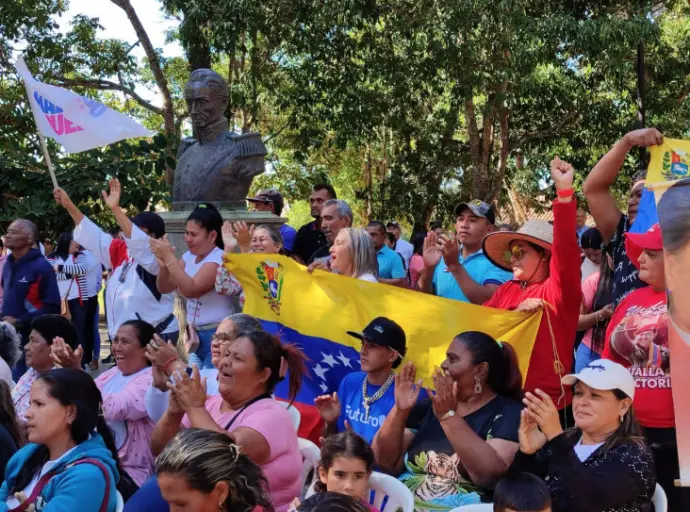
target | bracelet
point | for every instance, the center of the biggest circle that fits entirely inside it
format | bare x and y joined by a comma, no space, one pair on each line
565,193
167,363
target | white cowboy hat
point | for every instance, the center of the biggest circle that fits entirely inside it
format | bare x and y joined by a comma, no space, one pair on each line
497,244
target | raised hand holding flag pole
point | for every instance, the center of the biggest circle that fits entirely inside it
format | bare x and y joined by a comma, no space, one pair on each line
78,123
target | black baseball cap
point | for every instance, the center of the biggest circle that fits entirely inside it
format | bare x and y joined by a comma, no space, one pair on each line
386,333
269,196
479,208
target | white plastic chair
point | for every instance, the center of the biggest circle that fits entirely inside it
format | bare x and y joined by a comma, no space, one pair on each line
120,506
311,455
479,507
659,499
294,414
384,487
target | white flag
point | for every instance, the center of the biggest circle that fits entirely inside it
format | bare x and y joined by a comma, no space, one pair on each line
76,122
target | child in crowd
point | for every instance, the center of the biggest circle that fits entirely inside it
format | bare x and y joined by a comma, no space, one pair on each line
522,492
345,467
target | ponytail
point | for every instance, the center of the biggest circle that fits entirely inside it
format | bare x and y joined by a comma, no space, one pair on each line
295,360
209,218
503,376
270,353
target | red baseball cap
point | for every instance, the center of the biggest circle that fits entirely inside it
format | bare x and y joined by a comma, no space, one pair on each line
635,243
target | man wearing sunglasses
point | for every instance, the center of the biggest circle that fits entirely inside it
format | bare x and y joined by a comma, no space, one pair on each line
455,266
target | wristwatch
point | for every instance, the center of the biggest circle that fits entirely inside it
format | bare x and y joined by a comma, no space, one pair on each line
449,414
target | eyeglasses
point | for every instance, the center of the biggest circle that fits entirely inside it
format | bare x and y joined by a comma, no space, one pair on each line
516,252
221,337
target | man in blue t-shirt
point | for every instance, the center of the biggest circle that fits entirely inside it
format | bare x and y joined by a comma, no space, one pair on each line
365,398
391,267
455,267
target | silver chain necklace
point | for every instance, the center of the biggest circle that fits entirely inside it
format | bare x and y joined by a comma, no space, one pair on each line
368,400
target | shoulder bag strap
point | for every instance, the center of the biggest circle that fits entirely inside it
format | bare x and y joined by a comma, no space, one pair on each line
252,401
43,481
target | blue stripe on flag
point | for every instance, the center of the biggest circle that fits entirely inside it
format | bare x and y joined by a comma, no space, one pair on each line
328,364
646,213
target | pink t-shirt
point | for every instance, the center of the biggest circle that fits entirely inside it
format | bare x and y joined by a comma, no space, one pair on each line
273,422
416,267
589,290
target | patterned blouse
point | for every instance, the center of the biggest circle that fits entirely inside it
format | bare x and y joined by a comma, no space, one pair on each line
20,393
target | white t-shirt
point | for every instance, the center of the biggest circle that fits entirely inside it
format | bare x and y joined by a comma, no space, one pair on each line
13,502
6,373
94,274
406,250
368,277
588,268
210,308
115,385
583,451
66,286
156,401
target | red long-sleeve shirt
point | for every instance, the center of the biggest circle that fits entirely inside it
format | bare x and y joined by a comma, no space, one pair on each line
562,291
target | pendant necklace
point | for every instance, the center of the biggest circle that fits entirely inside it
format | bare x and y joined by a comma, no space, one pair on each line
368,400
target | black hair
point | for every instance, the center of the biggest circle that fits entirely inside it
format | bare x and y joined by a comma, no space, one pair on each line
8,416
62,247
328,188
205,458
504,376
391,238
145,332
70,387
209,218
418,242
53,326
150,221
521,492
378,225
392,225
270,352
591,239
331,502
505,225
435,224
345,444
674,216
602,297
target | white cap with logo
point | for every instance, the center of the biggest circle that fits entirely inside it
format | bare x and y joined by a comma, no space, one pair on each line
604,375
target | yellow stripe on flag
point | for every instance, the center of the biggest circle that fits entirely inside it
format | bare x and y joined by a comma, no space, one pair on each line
326,305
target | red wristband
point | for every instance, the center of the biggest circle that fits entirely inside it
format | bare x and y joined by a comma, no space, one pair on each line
565,193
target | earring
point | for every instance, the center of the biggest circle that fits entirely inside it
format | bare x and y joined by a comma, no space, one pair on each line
477,386
621,417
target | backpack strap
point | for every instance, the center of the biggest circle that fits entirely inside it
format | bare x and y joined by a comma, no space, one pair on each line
43,481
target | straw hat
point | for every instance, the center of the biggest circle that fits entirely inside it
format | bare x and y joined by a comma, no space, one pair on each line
537,232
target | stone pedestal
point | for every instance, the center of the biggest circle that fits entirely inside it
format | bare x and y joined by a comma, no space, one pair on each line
176,222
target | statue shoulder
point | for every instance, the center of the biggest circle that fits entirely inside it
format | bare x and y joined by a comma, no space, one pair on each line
247,145
185,144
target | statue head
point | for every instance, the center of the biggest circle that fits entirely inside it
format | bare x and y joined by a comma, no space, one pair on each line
206,94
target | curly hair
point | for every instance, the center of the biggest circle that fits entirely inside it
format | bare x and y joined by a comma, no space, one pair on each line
9,344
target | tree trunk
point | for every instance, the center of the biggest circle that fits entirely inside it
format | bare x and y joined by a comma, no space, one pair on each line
159,77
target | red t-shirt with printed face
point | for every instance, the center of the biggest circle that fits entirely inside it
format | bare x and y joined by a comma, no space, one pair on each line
637,338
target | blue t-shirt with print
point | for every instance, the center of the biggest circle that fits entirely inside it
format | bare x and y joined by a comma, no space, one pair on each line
390,264
351,401
480,269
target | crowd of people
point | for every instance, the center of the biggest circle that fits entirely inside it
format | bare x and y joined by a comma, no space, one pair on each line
590,426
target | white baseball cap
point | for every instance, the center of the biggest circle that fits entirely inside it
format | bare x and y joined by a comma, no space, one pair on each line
604,375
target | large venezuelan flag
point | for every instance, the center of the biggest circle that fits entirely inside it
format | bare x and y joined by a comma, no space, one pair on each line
315,311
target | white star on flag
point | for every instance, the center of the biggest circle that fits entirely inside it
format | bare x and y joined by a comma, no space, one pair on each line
345,360
320,371
323,387
329,359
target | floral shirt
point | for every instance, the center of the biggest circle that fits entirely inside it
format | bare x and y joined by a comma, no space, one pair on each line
431,463
20,393
227,284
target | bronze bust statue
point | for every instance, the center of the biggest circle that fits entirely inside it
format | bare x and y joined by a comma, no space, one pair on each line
215,165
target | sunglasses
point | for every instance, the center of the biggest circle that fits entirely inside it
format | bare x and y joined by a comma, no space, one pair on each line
516,252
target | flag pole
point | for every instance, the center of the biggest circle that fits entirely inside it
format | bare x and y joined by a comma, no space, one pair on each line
47,157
